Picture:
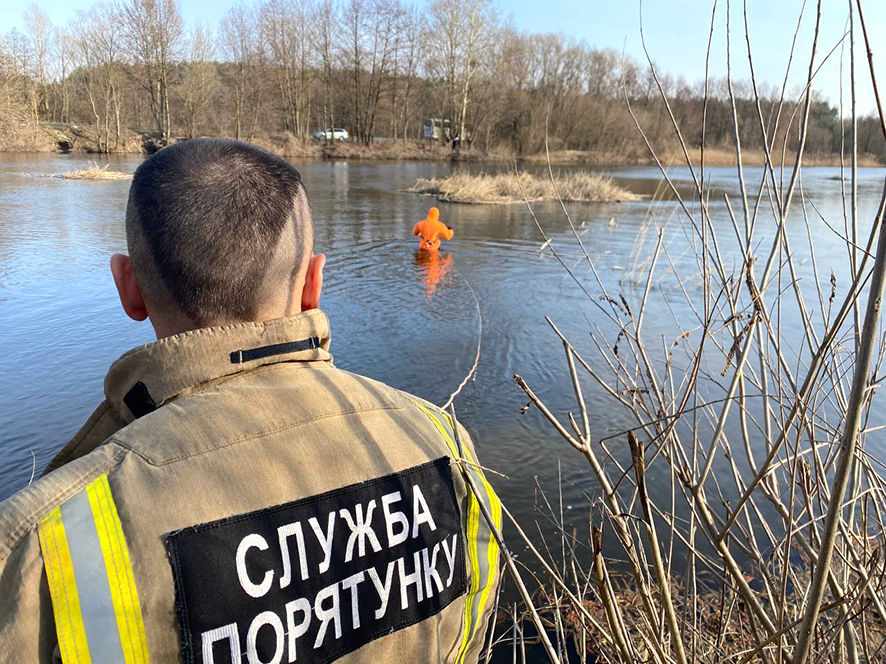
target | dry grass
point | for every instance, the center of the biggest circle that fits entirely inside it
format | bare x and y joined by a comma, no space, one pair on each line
94,172
388,149
515,188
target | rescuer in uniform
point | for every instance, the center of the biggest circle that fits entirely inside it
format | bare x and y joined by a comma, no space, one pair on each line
236,498
430,229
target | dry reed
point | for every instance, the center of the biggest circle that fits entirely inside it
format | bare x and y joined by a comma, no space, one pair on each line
94,172
516,187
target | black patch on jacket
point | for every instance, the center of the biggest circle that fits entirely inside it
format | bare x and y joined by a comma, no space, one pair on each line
319,577
139,400
250,354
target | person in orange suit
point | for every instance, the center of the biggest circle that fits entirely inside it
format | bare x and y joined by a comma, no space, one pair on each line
430,230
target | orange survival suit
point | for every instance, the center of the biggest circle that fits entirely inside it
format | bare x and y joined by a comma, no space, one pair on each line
430,230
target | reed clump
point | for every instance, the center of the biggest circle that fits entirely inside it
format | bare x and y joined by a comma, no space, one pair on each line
94,172
497,188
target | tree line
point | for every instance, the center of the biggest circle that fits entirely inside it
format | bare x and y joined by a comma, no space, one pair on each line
278,70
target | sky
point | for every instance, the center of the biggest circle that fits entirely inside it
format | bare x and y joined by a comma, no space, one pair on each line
676,34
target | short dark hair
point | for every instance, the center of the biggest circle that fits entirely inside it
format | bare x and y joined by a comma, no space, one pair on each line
216,227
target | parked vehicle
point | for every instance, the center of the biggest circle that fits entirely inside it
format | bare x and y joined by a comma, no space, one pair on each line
332,134
436,129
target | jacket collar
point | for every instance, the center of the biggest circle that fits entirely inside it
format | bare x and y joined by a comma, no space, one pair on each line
144,378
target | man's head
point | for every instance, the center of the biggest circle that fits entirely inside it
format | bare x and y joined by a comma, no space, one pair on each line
218,231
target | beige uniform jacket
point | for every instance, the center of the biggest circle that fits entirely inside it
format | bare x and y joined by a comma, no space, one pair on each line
236,498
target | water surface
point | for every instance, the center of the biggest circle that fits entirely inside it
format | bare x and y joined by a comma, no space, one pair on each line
394,317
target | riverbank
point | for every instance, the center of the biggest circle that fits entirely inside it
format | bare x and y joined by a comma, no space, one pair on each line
71,138
716,156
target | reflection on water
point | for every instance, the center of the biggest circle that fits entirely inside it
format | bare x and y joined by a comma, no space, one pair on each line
432,268
61,326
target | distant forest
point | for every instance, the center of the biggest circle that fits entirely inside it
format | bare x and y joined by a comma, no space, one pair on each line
132,74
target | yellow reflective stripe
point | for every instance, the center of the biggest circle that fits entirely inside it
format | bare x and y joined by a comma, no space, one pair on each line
491,546
495,509
473,532
119,570
441,429
83,545
491,550
69,628
494,502
473,529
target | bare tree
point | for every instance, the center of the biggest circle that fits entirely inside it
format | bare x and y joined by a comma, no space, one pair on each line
411,28
241,44
284,26
407,61
372,40
63,51
16,72
464,27
38,28
294,65
199,79
326,33
152,31
97,50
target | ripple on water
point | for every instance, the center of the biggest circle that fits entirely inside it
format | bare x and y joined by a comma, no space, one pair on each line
419,315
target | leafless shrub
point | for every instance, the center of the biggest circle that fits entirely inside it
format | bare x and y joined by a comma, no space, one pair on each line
767,544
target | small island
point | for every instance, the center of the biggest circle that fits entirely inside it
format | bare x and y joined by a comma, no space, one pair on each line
94,172
483,188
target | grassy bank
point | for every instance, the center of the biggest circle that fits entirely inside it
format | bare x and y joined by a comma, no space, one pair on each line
67,137
515,188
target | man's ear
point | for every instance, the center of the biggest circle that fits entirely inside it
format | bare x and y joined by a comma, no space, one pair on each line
310,296
127,287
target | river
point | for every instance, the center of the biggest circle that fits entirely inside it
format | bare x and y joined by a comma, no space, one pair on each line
393,317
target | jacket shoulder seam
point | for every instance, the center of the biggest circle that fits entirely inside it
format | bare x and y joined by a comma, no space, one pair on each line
253,436
68,452
34,509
